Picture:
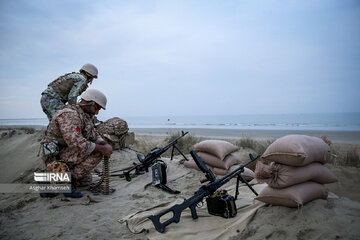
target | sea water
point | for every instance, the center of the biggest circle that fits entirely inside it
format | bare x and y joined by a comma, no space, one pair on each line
318,121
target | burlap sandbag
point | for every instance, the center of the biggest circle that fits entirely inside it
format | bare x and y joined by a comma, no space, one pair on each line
218,148
114,131
214,161
281,176
297,150
294,196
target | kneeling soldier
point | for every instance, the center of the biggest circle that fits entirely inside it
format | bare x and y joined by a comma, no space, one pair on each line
79,145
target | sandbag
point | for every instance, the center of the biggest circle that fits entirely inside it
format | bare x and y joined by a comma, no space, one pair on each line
191,164
214,161
281,176
218,148
114,131
294,196
297,150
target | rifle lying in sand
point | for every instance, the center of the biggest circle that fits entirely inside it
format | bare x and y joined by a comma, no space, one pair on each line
204,191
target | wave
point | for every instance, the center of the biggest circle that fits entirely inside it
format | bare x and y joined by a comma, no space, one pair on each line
341,122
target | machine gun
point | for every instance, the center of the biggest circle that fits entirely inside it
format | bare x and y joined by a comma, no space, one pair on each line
149,159
204,191
152,157
158,167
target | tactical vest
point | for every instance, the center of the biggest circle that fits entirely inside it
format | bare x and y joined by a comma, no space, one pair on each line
55,137
88,126
63,85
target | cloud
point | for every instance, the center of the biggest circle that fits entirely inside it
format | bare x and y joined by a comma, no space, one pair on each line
182,57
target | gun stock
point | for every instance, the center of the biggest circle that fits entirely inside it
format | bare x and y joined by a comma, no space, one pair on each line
177,209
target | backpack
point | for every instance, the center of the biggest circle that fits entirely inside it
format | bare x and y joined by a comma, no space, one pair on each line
114,132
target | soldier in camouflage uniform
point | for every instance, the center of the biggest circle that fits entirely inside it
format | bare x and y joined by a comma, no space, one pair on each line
80,146
66,88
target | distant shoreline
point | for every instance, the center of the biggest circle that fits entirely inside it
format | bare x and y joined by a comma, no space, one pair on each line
37,127
335,136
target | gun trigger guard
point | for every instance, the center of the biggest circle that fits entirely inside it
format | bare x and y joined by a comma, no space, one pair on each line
200,204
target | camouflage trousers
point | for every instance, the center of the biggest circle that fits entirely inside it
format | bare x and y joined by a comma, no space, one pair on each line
51,102
81,173
79,166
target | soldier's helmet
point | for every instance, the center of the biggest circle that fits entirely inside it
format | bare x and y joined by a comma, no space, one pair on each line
95,96
90,69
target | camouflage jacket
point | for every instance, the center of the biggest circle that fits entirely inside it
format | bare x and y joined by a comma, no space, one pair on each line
69,86
72,128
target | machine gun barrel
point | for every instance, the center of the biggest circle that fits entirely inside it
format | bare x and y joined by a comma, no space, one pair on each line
173,142
239,170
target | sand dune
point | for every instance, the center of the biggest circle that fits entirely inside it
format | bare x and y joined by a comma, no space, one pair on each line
27,216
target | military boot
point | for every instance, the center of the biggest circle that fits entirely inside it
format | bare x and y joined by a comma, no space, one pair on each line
74,193
47,195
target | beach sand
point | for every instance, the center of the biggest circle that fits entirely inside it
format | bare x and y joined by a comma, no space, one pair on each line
27,216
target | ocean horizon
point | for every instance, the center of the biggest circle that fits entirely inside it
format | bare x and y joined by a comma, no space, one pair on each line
313,121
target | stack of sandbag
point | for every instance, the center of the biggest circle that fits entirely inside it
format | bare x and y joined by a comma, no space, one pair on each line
296,173
218,156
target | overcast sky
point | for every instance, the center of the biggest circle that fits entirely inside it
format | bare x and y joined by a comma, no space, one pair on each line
166,58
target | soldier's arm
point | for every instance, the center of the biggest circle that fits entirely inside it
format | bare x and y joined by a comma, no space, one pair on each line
105,149
101,146
80,85
99,139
